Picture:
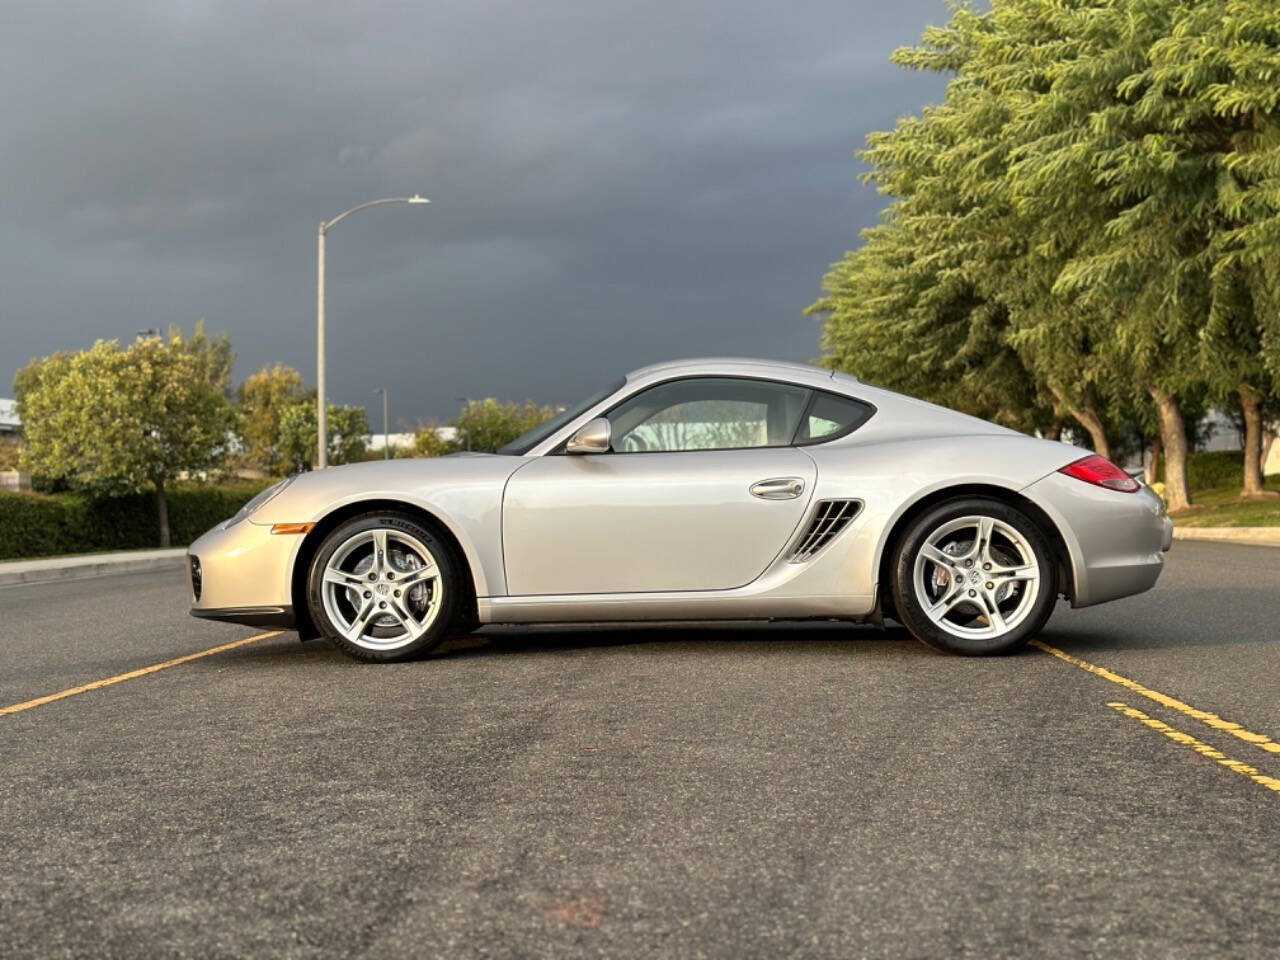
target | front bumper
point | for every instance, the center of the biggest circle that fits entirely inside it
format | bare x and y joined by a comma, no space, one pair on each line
1117,541
279,617
242,573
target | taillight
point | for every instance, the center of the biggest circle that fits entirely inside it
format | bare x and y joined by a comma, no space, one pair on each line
1101,472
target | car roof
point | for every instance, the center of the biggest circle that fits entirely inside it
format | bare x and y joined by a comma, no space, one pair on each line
741,366
818,378
905,414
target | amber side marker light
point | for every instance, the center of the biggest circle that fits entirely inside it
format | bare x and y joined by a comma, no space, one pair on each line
292,527
1101,472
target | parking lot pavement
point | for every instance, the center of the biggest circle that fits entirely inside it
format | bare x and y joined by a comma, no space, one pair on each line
730,791
58,635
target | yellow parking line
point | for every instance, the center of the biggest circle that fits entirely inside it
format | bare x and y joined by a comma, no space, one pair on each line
1237,766
133,674
1212,719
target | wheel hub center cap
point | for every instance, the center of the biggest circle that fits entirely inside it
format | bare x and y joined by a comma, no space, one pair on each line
382,589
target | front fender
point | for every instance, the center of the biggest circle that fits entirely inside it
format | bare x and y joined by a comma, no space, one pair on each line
463,493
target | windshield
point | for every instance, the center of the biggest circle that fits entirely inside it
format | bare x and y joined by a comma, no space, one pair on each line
527,441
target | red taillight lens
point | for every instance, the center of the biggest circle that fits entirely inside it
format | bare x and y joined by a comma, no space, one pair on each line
1101,472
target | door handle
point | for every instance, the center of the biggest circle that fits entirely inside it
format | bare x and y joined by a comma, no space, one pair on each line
779,488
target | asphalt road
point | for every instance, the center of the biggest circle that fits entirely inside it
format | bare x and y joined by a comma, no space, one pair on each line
736,791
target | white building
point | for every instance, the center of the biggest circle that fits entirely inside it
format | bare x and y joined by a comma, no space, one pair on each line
10,428
397,441
376,442
1221,434
10,422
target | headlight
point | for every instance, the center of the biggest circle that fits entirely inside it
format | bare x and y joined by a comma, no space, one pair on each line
261,500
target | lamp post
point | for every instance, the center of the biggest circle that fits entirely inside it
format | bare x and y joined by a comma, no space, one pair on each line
386,430
322,419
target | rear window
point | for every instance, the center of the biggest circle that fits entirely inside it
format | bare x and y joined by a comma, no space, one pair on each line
830,416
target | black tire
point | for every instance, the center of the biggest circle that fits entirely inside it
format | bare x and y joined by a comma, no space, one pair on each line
910,608
451,584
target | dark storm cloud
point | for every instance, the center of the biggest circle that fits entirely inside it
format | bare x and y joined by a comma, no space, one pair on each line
612,183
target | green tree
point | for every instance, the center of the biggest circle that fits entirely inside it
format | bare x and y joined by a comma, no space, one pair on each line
481,426
1136,120
1213,82
487,425
264,397
213,359
427,441
119,420
348,429
10,453
1098,193
919,308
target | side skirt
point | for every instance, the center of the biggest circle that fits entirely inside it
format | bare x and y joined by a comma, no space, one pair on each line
640,607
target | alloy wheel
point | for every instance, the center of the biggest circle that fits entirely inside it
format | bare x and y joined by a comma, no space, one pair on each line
976,576
382,589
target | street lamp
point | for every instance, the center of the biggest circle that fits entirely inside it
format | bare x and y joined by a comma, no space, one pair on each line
322,419
386,431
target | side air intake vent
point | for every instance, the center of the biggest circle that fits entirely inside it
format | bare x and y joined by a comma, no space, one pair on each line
829,518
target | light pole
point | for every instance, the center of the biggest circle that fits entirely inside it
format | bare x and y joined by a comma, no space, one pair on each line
322,419
386,430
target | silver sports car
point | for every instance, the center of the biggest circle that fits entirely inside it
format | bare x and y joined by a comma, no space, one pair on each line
697,490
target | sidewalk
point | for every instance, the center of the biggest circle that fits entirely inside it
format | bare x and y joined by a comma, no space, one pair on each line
1261,536
89,565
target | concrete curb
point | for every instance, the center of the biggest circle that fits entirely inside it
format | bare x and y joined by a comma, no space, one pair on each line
1260,536
90,565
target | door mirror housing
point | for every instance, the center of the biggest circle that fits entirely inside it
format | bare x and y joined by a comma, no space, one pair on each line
594,436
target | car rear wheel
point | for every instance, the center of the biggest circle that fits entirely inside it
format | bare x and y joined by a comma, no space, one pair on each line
384,586
974,576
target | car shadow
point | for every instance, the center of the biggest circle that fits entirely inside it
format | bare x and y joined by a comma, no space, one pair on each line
803,638
1082,633
793,638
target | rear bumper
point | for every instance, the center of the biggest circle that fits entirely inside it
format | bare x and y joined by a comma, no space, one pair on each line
1117,541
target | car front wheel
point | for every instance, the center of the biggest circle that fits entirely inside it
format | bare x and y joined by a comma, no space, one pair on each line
974,576
383,586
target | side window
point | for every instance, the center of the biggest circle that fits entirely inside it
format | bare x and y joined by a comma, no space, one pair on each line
709,413
830,416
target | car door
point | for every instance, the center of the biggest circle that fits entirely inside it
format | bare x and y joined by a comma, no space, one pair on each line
700,491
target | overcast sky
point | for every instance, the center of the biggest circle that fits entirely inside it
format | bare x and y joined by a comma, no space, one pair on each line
612,183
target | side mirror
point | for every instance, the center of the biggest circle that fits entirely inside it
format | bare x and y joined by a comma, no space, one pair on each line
593,436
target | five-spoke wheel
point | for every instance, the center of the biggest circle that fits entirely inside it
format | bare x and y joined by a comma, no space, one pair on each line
383,586
974,576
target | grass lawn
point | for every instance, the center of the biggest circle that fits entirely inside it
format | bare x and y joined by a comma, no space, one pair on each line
1222,507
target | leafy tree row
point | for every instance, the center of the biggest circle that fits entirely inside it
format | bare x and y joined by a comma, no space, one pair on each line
116,420
119,420
127,419
1086,230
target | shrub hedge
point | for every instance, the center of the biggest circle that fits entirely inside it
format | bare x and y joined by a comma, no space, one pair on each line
1210,469
47,524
